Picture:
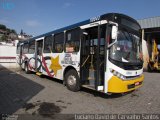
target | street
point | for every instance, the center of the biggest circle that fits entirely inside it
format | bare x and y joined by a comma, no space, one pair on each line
22,93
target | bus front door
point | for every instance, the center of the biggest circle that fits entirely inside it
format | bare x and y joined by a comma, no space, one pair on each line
92,58
38,55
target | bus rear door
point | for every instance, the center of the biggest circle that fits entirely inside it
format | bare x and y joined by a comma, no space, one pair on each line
38,55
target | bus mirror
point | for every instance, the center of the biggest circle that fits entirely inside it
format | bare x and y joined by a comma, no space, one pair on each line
114,32
113,35
85,33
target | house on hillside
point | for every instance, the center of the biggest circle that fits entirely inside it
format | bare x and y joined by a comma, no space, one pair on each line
23,36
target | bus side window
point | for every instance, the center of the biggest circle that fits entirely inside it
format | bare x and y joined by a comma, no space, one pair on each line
32,47
58,43
48,44
25,48
72,40
18,49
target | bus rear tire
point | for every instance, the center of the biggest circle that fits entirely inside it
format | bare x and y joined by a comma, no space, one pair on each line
27,71
72,80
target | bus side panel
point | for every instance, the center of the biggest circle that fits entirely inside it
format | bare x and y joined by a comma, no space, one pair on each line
51,65
23,60
72,60
18,59
31,62
54,64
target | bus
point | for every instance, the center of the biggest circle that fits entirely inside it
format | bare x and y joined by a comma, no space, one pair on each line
102,53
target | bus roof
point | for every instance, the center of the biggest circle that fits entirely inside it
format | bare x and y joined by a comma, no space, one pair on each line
108,16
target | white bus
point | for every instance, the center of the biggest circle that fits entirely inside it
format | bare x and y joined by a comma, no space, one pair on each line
102,53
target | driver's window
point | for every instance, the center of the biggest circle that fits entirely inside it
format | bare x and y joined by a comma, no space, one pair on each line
112,32
109,40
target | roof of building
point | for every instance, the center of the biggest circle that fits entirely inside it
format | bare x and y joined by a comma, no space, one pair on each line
152,22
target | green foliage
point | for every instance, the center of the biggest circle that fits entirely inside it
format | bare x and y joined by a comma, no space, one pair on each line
3,27
13,31
4,38
8,33
8,30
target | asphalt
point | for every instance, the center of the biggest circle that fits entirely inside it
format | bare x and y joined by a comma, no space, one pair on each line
29,94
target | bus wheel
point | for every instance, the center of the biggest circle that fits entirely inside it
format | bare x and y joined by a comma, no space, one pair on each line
72,80
27,71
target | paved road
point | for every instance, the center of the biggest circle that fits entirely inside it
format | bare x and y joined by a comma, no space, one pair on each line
29,94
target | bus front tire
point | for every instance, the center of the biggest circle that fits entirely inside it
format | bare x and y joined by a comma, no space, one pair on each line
72,80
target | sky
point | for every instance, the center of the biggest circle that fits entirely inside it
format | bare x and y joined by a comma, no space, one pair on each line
36,17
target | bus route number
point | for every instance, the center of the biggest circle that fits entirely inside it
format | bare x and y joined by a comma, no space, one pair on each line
95,19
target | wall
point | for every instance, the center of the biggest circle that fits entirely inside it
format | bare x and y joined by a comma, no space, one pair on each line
8,56
7,50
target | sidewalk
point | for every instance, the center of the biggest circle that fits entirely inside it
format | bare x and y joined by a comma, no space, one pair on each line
9,65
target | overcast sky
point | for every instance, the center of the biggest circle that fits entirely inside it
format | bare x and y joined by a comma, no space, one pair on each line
40,16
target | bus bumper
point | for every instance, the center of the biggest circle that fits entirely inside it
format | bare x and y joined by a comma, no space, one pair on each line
116,85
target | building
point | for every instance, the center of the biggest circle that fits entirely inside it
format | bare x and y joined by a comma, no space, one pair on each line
150,32
23,36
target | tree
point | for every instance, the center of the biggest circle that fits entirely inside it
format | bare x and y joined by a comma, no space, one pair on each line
4,38
3,27
13,31
8,30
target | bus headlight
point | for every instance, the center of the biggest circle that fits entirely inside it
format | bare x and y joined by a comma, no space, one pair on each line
119,75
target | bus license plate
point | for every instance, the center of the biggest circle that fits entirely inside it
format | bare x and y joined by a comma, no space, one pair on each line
137,83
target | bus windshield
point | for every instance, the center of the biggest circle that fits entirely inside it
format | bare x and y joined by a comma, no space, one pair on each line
127,48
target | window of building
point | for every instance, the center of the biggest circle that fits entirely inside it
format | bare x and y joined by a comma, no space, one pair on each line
48,44
58,43
72,40
32,47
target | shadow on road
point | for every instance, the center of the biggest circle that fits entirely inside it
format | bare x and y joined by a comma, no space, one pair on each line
90,91
15,90
104,95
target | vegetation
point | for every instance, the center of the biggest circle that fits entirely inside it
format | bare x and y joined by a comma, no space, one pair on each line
7,33
4,38
3,27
